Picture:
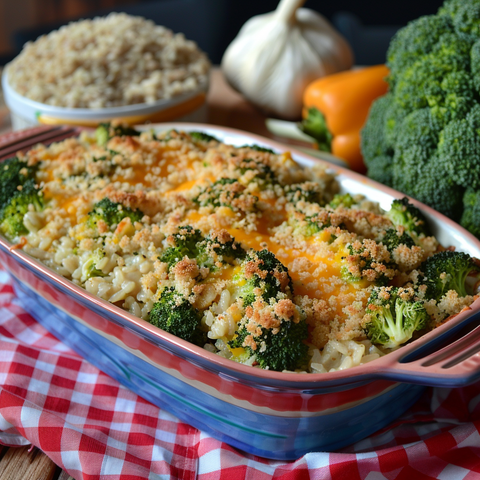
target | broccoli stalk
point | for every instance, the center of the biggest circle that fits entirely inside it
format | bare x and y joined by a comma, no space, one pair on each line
393,316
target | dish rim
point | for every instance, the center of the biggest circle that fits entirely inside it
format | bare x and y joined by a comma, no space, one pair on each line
357,374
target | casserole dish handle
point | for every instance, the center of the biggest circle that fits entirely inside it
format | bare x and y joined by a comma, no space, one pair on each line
449,359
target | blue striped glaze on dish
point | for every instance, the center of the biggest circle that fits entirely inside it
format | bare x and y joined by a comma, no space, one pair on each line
262,434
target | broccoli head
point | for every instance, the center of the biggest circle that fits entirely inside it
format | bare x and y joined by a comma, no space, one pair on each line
262,275
218,248
13,172
344,200
379,168
470,218
435,188
29,196
275,333
465,16
459,149
415,40
374,142
176,315
393,316
366,262
448,270
184,243
111,213
405,214
393,239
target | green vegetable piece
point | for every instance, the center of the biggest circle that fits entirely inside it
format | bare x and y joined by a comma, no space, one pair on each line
111,213
315,125
176,315
448,270
394,316
13,211
405,214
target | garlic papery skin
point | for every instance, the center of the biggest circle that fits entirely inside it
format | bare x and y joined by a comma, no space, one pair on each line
276,55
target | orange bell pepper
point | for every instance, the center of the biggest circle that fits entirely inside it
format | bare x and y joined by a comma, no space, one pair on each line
336,108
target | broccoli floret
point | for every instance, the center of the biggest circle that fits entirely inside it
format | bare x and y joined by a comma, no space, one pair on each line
374,143
393,239
262,275
380,169
315,125
405,214
344,200
470,218
448,270
91,267
14,210
393,316
418,38
176,315
184,243
465,16
111,213
13,173
279,345
366,263
428,83
203,137
219,247
105,131
308,225
459,149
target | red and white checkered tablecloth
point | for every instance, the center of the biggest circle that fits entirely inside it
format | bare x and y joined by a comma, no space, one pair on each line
94,428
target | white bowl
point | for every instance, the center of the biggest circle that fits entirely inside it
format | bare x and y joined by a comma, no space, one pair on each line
190,106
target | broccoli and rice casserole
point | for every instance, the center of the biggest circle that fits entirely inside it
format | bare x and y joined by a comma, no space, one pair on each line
237,249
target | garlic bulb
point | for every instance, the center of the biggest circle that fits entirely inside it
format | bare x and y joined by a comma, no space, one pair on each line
275,56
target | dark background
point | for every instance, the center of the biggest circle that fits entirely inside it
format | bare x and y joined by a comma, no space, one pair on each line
367,25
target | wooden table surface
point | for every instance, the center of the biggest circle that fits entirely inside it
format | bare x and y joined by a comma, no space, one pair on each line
225,107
